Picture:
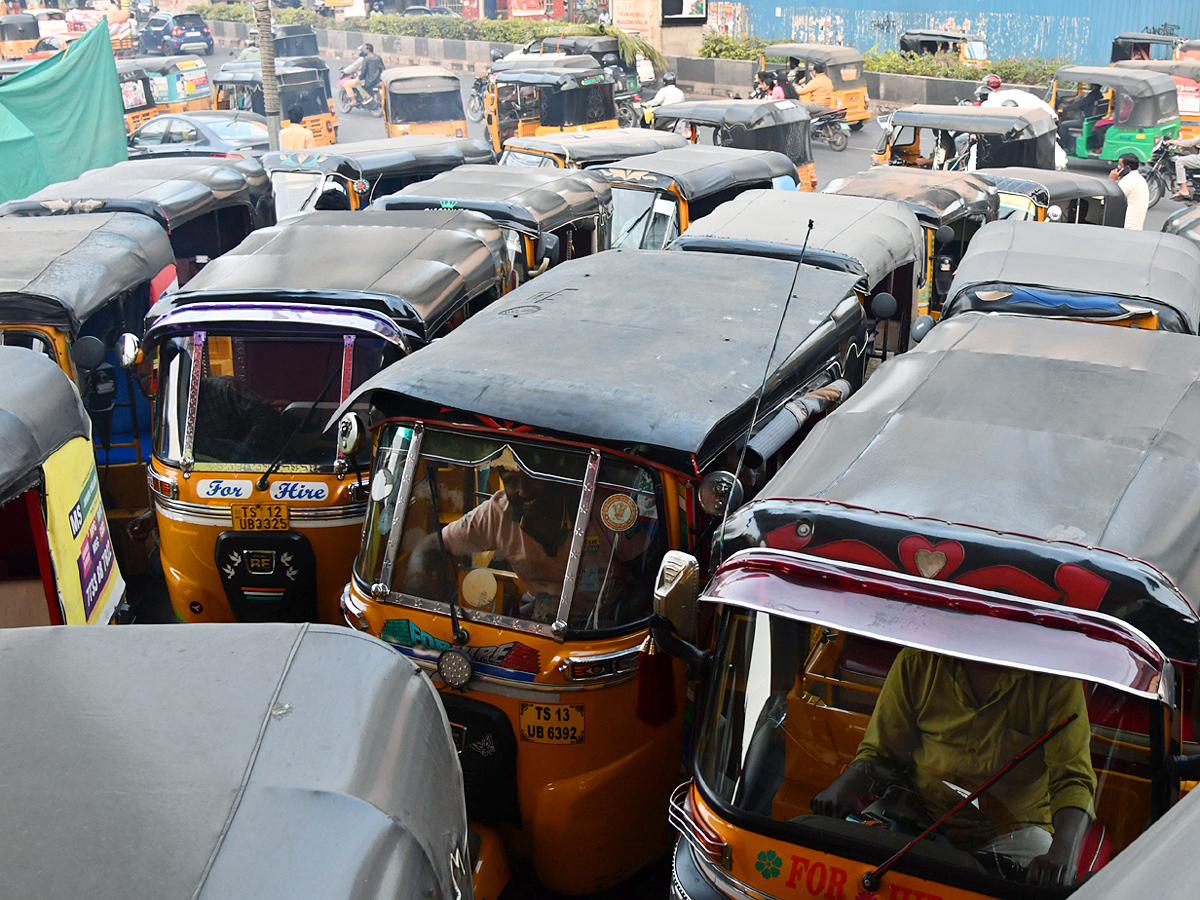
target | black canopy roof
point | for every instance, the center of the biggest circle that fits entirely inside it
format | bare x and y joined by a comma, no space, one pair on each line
1058,184
370,159
1163,268
240,761
582,44
933,34
864,235
529,199
252,75
163,65
173,190
555,76
1134,82
420,79
1143,37
748,114
584,148
935,197
1184,222
61,270
532,62
419,268
1012,122
1181,68
701,170
40,410
829,54
634,376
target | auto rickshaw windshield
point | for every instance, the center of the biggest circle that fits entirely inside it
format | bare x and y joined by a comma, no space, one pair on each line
502,515
296,191
414,108
582,106
794,704
975,50
249,402
644,219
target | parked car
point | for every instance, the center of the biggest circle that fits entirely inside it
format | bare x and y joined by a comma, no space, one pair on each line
430,11
219,132
48,46
173,33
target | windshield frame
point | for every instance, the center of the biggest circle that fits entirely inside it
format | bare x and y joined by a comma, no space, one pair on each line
660,196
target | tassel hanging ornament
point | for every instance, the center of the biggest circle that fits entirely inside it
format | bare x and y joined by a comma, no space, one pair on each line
656,685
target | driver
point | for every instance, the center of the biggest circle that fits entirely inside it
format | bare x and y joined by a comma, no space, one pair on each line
940,722
817,95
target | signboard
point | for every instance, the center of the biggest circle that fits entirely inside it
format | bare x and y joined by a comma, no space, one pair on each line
526,8
690,12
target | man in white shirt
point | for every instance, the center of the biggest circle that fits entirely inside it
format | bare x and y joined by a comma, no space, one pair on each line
667,94
1133,186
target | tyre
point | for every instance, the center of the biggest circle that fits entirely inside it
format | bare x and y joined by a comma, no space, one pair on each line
1156,186
838,139
858,126
475,108
209,51
376,109
342,101
626,115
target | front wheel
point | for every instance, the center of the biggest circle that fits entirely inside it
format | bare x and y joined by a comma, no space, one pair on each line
1156,187
838,140
475,108
376,109
627,116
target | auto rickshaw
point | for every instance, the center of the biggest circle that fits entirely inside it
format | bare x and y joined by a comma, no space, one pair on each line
295,40
879,240
240,757
423,100
970,49
357,173
1138,279
587,149
18,35
1137,46
1186,75
179,83
606,50
951,207
1188,50
137,96
1032,543
1127,111
524,102
547,217
207,205
69,286
1184,222
1041,195
259,514
843,65
989,136
571,741
57,564
657,196
242,88
316,63
778,125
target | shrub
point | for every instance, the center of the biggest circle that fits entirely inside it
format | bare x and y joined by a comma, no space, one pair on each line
723,46
943,65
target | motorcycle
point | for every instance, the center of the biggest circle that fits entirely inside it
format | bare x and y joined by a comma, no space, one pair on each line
475,101
831,128
374,104
1160,174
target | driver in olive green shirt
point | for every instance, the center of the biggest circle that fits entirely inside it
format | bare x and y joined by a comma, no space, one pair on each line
939,720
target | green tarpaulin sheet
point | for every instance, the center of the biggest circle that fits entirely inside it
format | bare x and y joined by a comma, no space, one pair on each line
61,117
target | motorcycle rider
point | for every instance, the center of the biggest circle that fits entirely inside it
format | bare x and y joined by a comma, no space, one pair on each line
367,70
667,94
1188,162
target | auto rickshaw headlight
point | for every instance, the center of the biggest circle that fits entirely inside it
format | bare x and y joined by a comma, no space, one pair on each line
676,591
456,668
129,350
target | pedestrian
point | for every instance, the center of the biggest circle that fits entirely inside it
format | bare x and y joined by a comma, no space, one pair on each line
1133,186
295,136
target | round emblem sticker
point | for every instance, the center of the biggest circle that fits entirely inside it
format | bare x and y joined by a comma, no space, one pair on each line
618,512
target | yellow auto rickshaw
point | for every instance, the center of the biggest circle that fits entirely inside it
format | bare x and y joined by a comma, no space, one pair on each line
530,471
179,83
528,98
18,35
843,65
241,87
969,49
57,563
422,100
259,514
587,149
137,95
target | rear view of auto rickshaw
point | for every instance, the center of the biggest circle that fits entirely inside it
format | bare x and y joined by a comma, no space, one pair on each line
57,564
1104,111
913,692
137,95
843,65
547,216
572,96
206,205
352,175
518,514
969,49
423,100
879,240
241,87
606,50
1139,46
951,207
587,149
242,761
1186,75
1042,195
657,196
1184,222
779,125
960,137
1138,279
179,83
18,35
259,514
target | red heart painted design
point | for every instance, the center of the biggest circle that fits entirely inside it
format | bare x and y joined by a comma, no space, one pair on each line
920,557
1082,588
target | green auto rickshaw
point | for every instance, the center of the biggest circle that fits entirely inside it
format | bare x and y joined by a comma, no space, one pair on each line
1105,111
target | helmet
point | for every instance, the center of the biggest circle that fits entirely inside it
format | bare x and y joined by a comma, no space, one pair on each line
668,78
609,59
992,82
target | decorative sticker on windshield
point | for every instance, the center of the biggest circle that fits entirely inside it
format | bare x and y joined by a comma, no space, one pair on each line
511,660
619,512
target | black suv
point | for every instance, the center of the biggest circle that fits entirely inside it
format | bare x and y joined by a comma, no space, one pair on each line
169,34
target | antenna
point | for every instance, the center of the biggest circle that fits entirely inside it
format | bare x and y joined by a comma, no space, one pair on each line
737,472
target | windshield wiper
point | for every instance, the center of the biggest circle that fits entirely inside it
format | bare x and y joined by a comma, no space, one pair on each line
261,484
632,225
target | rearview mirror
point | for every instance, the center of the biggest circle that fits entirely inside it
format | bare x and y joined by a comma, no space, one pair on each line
676,591
883,306
88,352
1054,213
351,434
720,491
129,350
548,247
921,327
945,234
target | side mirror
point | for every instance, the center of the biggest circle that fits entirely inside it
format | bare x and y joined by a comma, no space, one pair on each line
883,306
129,350
676,592
943,273
1054,213
548,247
88,352
720,491
921,327
945,234
351,434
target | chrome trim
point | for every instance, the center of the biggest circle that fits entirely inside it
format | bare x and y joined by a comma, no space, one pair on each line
680,816
582,517
723,881
505,687
617,675
341,512
187,457
232,309
478,616
400,509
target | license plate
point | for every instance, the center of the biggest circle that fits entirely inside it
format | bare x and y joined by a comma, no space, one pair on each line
259,517
552,723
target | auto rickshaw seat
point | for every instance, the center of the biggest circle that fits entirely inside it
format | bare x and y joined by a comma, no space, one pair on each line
1095,851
